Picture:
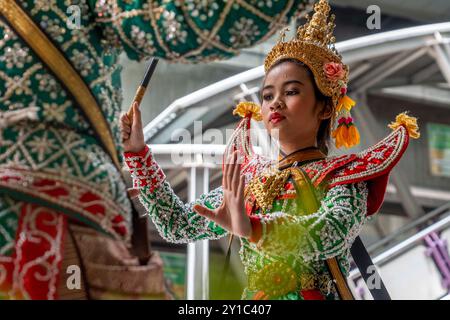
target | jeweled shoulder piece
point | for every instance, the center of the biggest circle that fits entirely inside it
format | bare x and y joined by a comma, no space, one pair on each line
373,164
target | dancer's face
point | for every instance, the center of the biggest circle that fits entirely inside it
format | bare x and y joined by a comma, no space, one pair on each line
290,105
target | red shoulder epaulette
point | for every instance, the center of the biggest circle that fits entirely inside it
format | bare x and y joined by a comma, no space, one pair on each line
372,165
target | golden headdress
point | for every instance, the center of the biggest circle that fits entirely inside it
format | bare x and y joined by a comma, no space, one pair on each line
313,45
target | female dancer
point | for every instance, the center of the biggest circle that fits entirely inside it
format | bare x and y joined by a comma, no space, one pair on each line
296,218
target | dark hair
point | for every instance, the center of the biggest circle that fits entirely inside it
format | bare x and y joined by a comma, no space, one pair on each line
324,132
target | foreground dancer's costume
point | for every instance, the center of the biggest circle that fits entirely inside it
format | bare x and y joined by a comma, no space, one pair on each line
53,169
305,209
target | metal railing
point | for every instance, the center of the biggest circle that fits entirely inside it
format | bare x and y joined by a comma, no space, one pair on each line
439,220
416,224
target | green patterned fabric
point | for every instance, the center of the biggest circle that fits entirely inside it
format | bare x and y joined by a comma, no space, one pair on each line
42,130
177,222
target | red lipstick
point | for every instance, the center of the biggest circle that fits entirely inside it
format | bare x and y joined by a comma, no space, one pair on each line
276,117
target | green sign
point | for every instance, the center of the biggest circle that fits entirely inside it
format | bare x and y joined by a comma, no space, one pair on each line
175,272
439,146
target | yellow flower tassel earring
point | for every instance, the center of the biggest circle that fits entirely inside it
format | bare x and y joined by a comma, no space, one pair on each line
346,133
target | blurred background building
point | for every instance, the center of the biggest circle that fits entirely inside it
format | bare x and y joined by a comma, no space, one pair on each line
403,65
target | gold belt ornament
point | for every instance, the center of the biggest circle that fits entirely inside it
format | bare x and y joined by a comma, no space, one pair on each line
277,279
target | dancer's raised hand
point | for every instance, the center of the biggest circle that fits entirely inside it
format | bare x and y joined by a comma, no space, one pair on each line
231,214
131,130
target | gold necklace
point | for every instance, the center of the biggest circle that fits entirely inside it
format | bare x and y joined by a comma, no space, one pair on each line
266,187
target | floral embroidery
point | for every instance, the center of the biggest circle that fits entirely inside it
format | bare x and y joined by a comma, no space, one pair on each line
202,9
16,56
243,32
55,112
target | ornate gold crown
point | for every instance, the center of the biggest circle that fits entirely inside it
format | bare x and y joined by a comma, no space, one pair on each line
314,46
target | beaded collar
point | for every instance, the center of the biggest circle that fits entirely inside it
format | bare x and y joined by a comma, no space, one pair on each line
300,156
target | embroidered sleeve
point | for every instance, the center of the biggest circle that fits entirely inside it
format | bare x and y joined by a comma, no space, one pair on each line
144,170
174,220
190,31
322,235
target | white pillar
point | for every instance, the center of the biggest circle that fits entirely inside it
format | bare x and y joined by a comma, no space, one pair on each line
198,252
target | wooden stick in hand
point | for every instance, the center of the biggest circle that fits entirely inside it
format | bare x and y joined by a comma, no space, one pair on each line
143,87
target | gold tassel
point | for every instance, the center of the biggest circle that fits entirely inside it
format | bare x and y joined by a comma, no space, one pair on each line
354,137
345,102
346,134
246,108
410,123
340,136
